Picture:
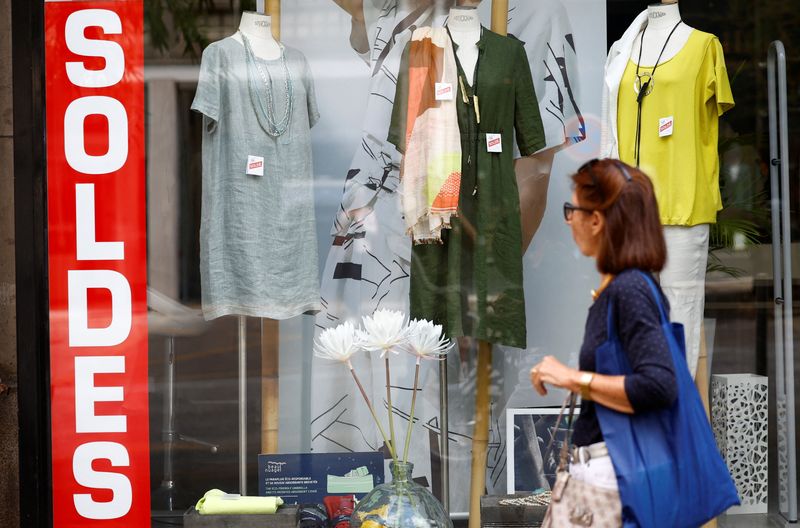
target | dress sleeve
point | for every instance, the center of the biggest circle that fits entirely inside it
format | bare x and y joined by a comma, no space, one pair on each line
397,128
527,120
718,87
207,97
311,94
652,383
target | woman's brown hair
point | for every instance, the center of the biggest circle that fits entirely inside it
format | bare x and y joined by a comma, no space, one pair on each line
633,237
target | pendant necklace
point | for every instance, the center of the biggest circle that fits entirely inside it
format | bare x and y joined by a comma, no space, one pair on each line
643,85
275,127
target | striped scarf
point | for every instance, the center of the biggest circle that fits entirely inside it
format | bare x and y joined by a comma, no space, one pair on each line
431,168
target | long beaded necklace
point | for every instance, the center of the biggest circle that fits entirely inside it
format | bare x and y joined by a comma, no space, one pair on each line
643,85
274,126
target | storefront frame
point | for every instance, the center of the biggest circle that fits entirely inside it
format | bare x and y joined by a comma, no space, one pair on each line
30,194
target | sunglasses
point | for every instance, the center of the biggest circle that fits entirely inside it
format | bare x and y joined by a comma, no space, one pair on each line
570,208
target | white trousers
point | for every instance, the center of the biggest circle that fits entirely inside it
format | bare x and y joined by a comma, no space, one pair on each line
683,280
596,471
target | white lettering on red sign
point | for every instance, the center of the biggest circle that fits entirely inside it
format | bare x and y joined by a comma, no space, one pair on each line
97,263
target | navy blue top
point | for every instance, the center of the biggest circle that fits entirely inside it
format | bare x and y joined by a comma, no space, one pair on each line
652,384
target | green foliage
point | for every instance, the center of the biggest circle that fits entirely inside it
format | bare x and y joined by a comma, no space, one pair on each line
172,22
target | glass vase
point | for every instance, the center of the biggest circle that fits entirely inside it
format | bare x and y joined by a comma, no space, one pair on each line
401,503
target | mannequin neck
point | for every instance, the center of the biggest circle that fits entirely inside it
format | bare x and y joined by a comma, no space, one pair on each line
258,30
663,16
465,21
256,26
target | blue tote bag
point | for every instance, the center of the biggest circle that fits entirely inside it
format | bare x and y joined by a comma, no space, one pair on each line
669,470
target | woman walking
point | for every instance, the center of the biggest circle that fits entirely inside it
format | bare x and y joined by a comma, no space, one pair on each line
638,405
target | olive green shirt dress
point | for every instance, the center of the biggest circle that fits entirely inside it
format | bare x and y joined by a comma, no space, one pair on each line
472,282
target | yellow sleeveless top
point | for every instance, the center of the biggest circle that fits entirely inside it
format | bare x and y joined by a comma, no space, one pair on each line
691,90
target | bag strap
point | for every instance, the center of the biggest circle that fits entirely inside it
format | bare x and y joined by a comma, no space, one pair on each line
610,326
570,400
657,296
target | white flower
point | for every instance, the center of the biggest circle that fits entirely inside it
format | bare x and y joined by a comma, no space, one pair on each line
338,344
426,340
385,331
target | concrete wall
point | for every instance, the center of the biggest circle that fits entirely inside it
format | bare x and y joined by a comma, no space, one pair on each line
9,460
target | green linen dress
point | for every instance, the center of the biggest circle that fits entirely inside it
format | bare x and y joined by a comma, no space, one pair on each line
472,282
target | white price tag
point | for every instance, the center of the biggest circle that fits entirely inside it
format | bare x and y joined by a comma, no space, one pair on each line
255,165
494,143
444,91
665,126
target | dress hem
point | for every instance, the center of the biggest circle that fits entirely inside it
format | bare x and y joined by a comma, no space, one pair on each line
252,311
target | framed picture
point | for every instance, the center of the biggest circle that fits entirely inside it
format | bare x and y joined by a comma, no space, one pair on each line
530,465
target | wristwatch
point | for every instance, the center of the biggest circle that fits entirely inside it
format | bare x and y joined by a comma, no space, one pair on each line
585,382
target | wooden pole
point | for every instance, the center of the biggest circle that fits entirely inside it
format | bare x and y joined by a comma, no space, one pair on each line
274,11
500,16
270,330
480,436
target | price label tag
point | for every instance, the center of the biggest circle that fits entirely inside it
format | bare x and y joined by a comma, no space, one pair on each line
255,165
665,126
494,143
444,91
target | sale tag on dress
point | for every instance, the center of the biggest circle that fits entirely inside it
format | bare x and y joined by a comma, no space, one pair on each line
444,91
665,126
494,143
255,165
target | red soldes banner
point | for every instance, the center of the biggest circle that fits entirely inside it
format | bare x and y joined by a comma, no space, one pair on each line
97,258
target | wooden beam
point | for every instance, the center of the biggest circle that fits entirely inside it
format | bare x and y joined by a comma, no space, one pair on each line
274,11
270,329
480,435
500,16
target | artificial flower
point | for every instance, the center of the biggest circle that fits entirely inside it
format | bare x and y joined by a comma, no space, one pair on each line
385,331
338,343
426,340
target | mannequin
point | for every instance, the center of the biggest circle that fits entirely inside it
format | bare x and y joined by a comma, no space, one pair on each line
465,30
659,132
661,18
258,30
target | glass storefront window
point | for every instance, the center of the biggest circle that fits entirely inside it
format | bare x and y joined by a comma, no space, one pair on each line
282,175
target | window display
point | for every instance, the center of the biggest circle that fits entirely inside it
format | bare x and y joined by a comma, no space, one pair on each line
309,166
369,263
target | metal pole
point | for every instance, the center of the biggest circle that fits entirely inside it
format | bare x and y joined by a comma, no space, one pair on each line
444,433
242,405
779,154
168,421
777,283
788,325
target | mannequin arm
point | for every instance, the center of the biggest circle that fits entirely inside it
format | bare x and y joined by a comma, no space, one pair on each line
358,29
533,178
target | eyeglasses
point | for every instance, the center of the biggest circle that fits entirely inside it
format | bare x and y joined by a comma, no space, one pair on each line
619,165
570,208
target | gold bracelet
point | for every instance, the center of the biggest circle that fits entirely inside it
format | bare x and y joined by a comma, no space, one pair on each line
585,382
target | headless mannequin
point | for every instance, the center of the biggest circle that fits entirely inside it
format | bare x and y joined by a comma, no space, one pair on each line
661,18
258,30
465,29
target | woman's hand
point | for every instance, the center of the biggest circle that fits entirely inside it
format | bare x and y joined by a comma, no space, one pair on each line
553,372
605,390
